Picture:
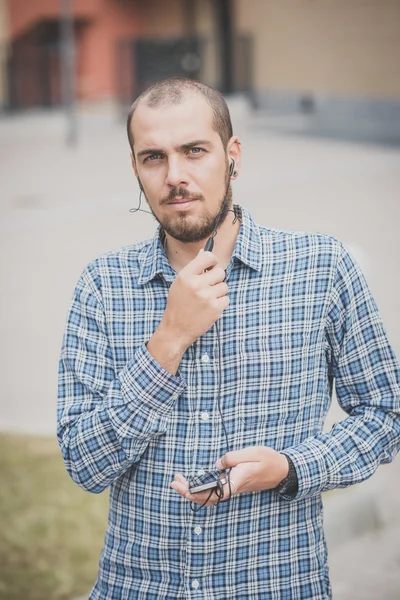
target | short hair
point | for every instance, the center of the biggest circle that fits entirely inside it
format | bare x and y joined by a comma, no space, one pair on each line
173,91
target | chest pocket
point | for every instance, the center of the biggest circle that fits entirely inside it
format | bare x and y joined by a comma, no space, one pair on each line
275,372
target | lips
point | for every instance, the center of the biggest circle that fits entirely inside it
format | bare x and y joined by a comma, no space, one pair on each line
182,202
182,205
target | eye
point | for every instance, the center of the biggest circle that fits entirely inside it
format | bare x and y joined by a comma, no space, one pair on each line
196,151
153,157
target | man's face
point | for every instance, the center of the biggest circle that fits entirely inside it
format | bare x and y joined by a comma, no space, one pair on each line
182,165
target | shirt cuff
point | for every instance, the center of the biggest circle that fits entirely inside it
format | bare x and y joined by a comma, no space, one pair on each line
145,380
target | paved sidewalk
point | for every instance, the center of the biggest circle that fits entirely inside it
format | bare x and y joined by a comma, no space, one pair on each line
368,567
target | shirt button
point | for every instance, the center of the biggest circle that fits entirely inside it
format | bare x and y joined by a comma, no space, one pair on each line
175,396
198,530
195,584
200,472
205,358
204,416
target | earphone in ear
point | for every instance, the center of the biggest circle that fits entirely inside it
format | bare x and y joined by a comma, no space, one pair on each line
140,184
232,167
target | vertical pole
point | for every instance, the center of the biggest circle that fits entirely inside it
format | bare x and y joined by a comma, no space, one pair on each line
189,17
68,70
225,28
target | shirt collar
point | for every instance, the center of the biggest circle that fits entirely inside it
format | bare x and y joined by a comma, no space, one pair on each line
153,260
248,242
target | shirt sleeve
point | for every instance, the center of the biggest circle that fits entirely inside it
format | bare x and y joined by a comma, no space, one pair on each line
106,419
367,381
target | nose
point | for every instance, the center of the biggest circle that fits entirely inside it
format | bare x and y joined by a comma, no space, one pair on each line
176,175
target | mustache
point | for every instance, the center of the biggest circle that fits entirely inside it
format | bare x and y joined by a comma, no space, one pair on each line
179,192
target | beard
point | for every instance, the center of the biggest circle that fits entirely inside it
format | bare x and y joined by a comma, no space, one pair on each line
183,228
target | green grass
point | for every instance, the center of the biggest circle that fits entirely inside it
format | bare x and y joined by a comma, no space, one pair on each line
51,531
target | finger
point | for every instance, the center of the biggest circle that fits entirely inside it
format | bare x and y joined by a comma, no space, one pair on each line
180,484
213,499
179,487
181,479
231,459
220,290
222,302
202,498
203,261
216,275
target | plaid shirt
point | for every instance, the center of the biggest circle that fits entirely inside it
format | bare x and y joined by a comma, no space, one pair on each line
300,316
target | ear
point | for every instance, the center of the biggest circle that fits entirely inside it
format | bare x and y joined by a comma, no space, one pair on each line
234,151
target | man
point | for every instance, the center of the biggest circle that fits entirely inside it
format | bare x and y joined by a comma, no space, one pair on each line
173,355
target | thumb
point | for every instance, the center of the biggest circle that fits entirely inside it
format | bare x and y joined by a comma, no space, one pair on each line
231,459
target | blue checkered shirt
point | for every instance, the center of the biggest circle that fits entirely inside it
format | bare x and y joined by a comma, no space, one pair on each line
301,316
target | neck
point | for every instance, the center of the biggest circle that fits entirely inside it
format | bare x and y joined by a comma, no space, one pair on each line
181,253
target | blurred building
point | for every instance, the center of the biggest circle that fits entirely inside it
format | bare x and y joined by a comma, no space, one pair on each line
327,55
3,52
336,59
121,46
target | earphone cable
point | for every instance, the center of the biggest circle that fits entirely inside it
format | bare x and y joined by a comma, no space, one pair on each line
219,492
138,209
219,401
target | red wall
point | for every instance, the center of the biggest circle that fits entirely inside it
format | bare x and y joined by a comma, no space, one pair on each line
99,26
24,14
97,47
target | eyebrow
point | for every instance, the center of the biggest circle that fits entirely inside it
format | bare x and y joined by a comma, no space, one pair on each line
179,148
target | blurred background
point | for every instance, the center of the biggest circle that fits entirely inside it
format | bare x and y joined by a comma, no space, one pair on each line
314,92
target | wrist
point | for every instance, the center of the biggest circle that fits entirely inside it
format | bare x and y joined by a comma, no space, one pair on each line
172,337
284,471
166,348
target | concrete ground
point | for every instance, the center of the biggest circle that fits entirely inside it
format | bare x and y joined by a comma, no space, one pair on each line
359,572
61,207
